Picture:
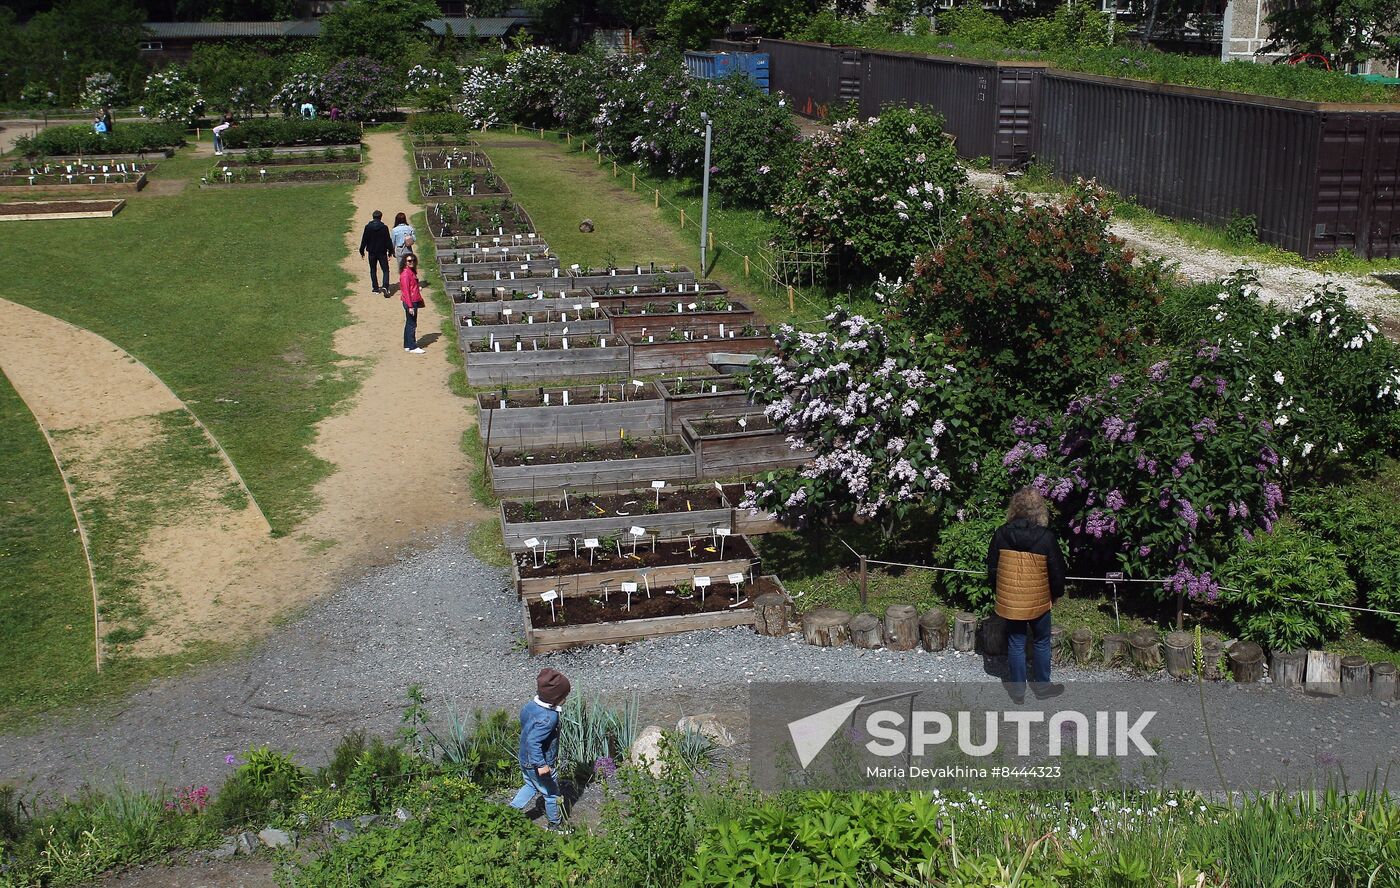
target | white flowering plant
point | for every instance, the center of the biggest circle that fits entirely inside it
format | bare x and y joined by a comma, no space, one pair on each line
887,418
874,193
298,90
172,96
100,89
432,89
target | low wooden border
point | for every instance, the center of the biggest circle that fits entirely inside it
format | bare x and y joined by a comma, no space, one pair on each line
752,522
744,452
666,356
700,404
732,320
568,280
594,362
294,149
664,525
508,332
579,585
571,424
469,276
113,207
553,479
487,308
471,241
541,640
79,187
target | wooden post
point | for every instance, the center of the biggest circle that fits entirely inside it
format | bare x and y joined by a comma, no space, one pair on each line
1247,662
964,631
865,631
515,128
583,145
1384,683
1081,641
901,627
826,627
933,630
1356,676
746,266
770,612
791,305
614,169
864,589
1180,654
682,220
1324,674
569,139
1146,650
1057,645
1287,669
1115,646
1211,650
711,234
993,632
658,198
634,181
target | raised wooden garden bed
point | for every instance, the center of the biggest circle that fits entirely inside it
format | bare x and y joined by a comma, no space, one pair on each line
567,568
220,177
82,183
696,396
657,317
458,261
750,522
28,211
618,465
467,184
464,218
463,306
303,158
725,447
581,622
446,246
674,514
543,359
453,157
669,356
524,275
593,413
296,149
470,329
564,279
140,157
689,289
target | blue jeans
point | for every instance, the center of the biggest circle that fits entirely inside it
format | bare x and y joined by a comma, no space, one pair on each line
375,264
538,784
1016,631
410,327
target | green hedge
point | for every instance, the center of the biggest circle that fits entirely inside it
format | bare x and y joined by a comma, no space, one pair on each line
439,124
269,132
127,138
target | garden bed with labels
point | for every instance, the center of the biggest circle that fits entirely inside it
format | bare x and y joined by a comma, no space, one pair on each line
589,566
466,183
570,415
625,464
670,513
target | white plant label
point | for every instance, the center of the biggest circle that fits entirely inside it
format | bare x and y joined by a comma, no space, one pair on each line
735,579
722,531
590,543
637,531
629,587
532,542
658,485
551,595
702,582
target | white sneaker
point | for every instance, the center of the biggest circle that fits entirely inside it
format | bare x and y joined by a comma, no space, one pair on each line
415,351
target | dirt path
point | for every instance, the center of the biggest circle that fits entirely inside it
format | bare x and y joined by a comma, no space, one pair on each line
169,520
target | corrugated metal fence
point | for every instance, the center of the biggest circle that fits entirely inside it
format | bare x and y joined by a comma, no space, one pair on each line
1318,177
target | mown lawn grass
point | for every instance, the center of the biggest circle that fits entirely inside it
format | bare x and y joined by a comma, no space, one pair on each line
231,296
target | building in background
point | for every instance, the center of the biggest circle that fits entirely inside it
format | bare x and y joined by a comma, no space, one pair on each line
1246,33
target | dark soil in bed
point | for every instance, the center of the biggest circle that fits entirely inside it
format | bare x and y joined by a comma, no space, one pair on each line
630,448
616,505
607,393
665,602
729,425
694,551
37,207
548,342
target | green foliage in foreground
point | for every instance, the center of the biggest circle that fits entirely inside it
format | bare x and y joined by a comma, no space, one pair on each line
270,131
126,138
1001,44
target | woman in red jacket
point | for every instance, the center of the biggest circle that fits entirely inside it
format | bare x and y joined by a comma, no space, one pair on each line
412,298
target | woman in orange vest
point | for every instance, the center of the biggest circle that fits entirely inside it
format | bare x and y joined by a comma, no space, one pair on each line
1027,572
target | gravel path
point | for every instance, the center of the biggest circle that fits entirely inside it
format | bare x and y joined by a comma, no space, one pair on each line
441,619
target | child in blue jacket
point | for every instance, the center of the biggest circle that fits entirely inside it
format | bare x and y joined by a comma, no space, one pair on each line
539,746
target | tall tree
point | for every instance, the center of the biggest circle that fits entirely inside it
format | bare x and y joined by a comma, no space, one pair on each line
1345,31
76,38
379,29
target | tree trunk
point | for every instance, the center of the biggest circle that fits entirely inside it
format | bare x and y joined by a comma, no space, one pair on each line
1081,641
770,612
1057,645
901,627
1246,662
964,631
1324,674
865,631
826,627
1115,647
1288,669
1385,682
1146,650
1356,677
933,630
993,636
1180,654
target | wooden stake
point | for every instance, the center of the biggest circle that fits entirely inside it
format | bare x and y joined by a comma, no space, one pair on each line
863,592
712,240
658,198
583,145
682,220
746,266
614,169
515,128
634,181
791,306
569,139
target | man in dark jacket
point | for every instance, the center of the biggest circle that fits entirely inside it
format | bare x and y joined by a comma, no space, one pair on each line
539,746
1027,572
377,243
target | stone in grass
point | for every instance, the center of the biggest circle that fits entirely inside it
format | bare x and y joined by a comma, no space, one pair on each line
277,838
226,850
707,725
246,843
646,750
368,821
586,226
341,829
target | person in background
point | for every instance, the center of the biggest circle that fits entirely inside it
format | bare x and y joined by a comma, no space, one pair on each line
308,111
219,131
377,243
1027,573
107,118
98,126
335,112
412,298
403,235
539,747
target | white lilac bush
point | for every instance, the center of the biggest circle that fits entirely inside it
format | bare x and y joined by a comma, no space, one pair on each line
172,96
298,90
100,89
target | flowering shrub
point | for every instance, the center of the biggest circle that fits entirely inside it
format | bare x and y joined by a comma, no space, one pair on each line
361,88
1159,471
172,96
189,800
878,411
38,95
1041,296
432,89
876,193
99,89
1321,373
1277,586
297,91
485,96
